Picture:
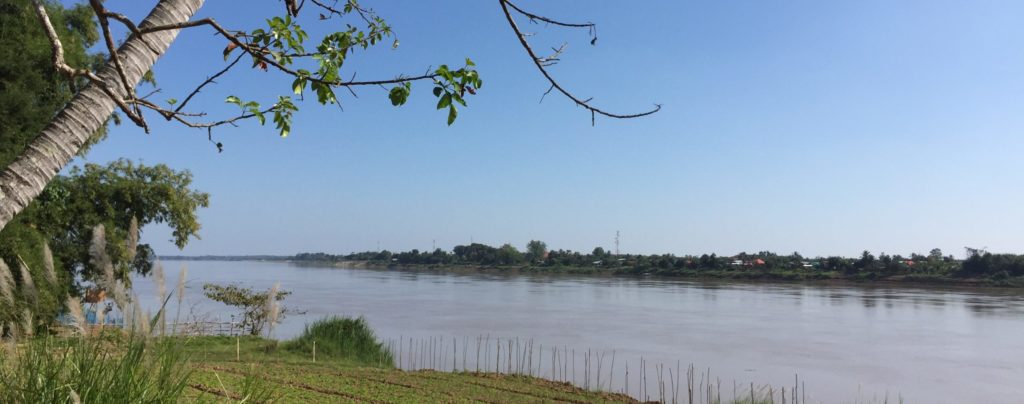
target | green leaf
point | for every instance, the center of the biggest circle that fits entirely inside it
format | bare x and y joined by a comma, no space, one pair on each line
445,101
458,99
298,85
233,100
172,101
437,91
470,62
452,114
399,94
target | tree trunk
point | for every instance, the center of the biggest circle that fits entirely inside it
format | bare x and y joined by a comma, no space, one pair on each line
60,141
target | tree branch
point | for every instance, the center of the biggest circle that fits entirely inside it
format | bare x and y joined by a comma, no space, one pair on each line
72,73
178,116
207,81
363,13
259,54
130,25
532,16
112,48
540,63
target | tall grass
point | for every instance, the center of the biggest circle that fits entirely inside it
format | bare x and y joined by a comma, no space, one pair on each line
343,338
115,368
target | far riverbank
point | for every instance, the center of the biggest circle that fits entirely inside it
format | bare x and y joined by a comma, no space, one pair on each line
768,275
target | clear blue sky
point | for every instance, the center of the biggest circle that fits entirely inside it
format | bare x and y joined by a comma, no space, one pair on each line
824,127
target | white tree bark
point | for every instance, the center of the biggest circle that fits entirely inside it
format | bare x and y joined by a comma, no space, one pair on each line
60,141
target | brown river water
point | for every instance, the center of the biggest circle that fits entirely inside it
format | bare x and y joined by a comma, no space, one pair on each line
848,343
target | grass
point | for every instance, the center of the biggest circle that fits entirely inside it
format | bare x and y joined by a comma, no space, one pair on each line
298,380
108,368
222,366
351,366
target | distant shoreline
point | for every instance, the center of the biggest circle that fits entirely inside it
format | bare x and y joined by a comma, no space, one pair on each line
787,276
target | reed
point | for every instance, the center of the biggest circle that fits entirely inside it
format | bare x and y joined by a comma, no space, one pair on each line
273,308
93,370
28,286
6,284
49,271
161,296
132,243
180,289
27,323
75,311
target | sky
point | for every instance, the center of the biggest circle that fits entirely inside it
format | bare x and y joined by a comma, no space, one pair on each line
819,127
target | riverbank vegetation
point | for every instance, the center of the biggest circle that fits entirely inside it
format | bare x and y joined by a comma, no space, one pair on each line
117,366
980,266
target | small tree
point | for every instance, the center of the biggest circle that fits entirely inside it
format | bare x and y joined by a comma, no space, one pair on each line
536,249
255,310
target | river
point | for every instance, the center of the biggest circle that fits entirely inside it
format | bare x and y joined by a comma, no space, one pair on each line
847,343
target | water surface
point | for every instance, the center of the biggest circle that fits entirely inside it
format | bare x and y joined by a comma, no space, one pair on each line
848,343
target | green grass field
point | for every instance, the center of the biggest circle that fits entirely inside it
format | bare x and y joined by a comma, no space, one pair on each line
219,376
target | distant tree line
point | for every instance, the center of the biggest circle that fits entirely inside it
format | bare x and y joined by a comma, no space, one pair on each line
978,264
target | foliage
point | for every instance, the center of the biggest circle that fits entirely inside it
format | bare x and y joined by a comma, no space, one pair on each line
31,90
984,263
536,249
112,195
317,65
343,337
95,370
255,313
997,269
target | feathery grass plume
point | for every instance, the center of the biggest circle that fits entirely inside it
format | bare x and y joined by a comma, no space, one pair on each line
50,272
75,311
161,293
273,308
181,296
140,321
120,296
101,315
28,286
26,322
6,283
161,285
181,283
100,259
133,239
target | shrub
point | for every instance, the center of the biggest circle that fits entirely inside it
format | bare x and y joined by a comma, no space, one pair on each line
343,338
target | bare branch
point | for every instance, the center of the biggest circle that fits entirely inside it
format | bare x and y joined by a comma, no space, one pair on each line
131,27
207,81
179,116
363,13
531,16
112,48
540,63
554,58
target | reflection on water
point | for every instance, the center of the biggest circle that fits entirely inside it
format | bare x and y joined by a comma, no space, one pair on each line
923,343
